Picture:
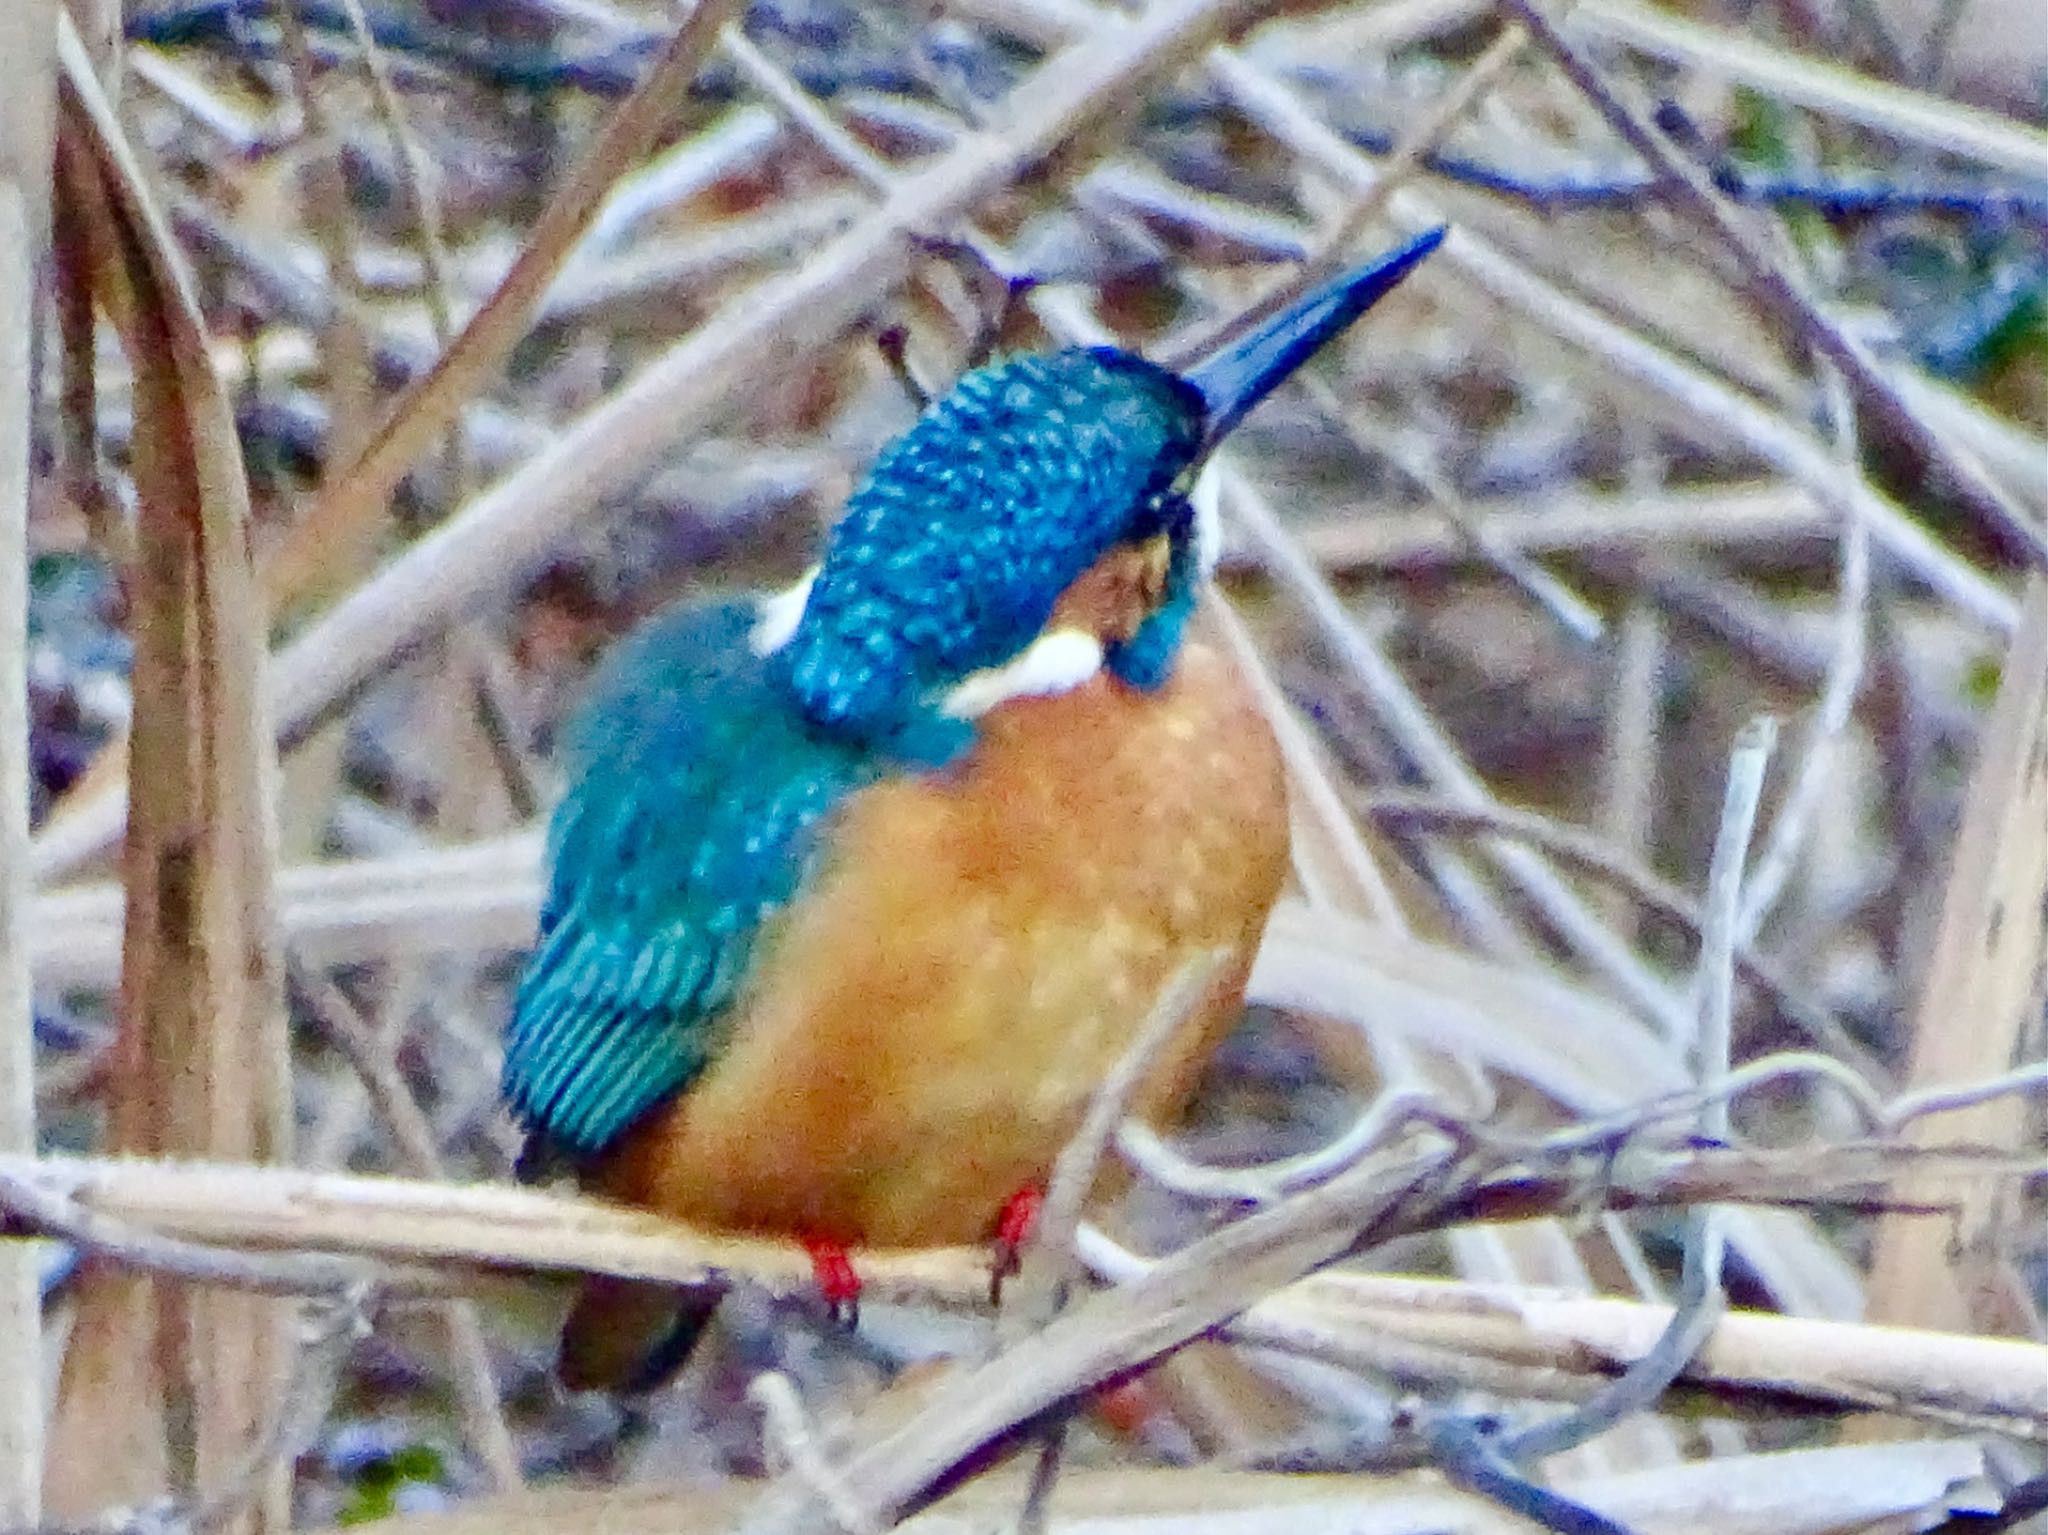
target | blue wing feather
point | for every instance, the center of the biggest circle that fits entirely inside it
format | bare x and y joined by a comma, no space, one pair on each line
697,796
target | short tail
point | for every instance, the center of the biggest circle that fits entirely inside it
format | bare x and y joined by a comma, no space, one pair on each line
629,1335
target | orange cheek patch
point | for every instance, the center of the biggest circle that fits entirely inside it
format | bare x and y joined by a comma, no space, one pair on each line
1118,592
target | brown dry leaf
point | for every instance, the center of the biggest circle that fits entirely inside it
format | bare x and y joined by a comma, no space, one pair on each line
1982,986
166,1387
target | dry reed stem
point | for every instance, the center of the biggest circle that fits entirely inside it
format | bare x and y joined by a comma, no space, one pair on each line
1989,1383
1690,389
27,137
344,343
1989,968
433,403
897,1449
1833,710
1822,85
1740,516
1594,855
1632,750
162,1386
1702,1301
1774,285
1410,724
372,1052
290,1231
1331,861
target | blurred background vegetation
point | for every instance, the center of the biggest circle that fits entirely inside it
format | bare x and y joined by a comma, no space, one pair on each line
1541,536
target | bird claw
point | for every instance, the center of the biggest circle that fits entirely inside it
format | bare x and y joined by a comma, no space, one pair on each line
1013,1229
833,1269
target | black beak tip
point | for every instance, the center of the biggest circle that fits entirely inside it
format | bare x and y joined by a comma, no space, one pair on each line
1237,376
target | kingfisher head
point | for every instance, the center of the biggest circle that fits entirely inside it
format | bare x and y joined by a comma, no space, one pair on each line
1035,526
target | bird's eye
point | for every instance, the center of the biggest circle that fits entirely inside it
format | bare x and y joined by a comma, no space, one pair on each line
1167,511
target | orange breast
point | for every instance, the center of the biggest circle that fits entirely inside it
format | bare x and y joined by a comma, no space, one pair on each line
927,1023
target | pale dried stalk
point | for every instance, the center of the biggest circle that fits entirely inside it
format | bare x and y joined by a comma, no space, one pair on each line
1991,1383
161,1383
1331,860
1568,520
1631,749
1446,113
1047,1263
1820,84
897,1449
27,116
371,1053
1436,758
291,1231
344,345
1836,705
1714,977
794,1450
1778,288
1989,965
1701,1302
433,404
1691,390
415,176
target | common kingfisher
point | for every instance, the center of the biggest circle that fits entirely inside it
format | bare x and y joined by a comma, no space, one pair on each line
857,892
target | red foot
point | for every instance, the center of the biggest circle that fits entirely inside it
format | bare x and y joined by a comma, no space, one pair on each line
1130,1407
1013,1229
836,1279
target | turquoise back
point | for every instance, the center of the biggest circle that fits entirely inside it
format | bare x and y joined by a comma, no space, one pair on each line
696,798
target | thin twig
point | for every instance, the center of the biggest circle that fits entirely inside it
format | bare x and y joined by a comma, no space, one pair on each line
327,1331
1591,854
1714,977
1389,1111
1626,353
1048,1259
432,404
794,1449
1832,711
469,1357
1777,287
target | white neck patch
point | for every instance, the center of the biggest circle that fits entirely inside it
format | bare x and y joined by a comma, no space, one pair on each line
1053,663
779,614
1207,499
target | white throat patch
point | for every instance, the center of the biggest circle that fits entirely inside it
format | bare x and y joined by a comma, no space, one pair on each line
1053,663
779,614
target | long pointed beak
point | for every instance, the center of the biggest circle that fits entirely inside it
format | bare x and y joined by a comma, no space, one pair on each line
1236,377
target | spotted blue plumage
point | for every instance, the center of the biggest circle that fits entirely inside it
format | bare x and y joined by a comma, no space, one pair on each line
951,556
703,776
